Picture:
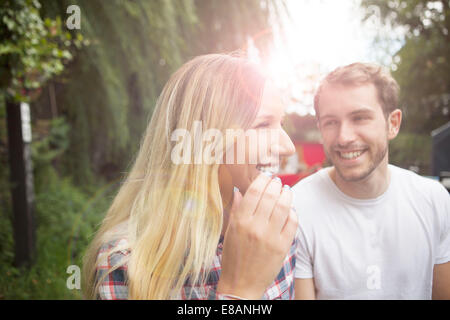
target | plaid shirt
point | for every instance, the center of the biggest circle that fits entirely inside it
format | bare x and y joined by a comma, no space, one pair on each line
114,286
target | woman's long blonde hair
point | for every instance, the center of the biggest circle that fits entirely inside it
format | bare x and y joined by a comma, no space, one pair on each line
171,214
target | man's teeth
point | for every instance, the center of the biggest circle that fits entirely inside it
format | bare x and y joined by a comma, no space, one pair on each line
270,169
350,155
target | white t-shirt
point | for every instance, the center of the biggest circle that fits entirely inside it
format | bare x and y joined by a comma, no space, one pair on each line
382,248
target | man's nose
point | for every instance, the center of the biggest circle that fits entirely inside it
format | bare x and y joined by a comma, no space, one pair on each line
346,134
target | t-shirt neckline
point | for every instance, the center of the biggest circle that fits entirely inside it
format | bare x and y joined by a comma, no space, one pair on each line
372,201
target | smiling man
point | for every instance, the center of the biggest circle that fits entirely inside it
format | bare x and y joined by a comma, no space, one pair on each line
368,229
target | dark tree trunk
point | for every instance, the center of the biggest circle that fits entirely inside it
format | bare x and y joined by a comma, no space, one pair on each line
22,189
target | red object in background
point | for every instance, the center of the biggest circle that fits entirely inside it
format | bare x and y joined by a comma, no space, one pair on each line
290,179
313,156
313,153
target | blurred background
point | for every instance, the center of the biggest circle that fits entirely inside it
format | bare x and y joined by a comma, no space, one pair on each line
79,80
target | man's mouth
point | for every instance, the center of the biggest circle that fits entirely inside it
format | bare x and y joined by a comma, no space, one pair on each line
350,155
271,169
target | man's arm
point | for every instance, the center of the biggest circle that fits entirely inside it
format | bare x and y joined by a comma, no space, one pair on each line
304,289
441,282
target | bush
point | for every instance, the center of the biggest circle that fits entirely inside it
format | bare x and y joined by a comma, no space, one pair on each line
66,221
411,150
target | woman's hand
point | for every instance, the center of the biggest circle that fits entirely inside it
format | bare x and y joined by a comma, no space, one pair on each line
260,232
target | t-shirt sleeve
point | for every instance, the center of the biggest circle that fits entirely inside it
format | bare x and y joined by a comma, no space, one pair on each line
443,207
303,259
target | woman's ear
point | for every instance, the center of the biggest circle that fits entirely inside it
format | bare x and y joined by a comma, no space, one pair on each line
394,122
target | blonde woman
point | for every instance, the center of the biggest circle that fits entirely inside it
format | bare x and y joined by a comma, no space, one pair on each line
202,229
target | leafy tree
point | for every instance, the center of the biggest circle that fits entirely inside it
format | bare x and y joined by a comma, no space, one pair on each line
32,49
422,65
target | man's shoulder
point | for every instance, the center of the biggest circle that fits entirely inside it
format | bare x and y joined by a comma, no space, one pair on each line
419,189
412,180
313,195
315,180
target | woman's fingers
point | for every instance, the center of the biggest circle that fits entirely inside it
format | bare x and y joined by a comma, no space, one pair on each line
258,237
290,228
252,196
269,199
280,213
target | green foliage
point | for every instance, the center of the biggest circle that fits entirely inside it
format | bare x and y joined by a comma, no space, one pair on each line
47,148
411,150
32,49
225,25
53,144
67,219
422,65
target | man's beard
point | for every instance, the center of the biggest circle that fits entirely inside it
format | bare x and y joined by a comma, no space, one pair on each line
378,158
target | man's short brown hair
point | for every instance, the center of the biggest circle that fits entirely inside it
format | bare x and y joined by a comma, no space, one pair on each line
357,74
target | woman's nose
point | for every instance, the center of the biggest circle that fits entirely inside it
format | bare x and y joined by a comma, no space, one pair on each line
286,146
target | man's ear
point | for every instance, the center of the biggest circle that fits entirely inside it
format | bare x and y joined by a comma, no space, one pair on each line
317,121
320,131
394,122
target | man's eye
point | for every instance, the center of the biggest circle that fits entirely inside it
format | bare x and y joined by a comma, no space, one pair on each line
360,118
329,123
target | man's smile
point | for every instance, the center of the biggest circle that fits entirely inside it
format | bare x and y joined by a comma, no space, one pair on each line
350,155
